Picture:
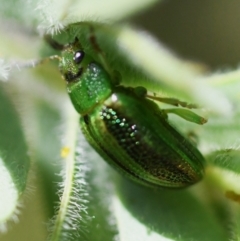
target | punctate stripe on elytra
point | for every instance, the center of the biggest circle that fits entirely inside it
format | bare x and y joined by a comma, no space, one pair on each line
103,148
144,148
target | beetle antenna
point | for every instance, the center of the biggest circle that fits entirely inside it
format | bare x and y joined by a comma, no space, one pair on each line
54,44
32,63
101,55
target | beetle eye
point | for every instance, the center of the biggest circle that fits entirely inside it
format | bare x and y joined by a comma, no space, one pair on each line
78,57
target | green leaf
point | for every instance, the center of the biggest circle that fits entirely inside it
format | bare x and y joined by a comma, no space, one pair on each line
167,214
14,159
54,15
80,211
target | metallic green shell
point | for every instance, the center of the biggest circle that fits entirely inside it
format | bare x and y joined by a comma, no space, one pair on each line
132,135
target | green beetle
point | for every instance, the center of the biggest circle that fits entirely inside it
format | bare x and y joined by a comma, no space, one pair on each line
125,127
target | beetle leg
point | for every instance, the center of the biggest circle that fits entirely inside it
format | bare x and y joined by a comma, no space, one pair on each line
187,115
172,101
140,91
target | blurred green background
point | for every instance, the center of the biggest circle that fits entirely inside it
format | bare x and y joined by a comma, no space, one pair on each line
202,30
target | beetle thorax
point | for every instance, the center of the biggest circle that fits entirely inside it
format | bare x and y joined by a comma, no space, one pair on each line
91,89
88,83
